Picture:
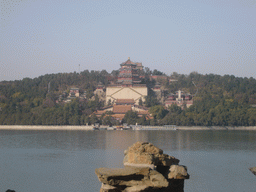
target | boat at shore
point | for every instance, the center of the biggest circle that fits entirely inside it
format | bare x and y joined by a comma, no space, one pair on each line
127,127
124,127
95,128
138,127
119,127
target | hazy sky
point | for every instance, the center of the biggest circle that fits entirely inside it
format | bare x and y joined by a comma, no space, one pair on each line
55,36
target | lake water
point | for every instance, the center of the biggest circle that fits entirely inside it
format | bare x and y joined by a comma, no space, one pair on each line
65,161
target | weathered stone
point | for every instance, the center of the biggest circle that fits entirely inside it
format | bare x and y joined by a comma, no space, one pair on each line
157,179
151,166
137,188
129,176
147,153
147,169
253,170
141,147
178,172
108,188
123,176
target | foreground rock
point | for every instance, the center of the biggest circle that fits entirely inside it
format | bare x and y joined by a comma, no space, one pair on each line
147,153
146,169
253,170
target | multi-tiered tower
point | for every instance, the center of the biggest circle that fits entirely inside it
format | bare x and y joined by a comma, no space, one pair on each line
128,73
128,85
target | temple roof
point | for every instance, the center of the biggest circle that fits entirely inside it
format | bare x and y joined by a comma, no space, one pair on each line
118,116
128,62
121,109
139,64
143,113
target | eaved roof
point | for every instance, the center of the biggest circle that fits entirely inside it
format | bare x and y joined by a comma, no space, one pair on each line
99,112
121,109
139,64
143,113
128,62
141,107
118,116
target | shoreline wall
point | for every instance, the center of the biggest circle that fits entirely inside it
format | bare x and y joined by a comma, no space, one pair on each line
44,127
201,127
85,128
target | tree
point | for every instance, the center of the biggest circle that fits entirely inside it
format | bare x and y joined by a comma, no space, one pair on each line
175,109
142,120
158,112
115,73
148,72
94,119
130,117
84,119
140,102
156,72
151,101
218,100
108,120
109,102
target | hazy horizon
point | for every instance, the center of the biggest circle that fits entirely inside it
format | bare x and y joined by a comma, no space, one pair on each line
41,37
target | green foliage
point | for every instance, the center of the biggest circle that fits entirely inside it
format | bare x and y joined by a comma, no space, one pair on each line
140,102
143,121
94,119
218,100
108,120
156,72
158,112
151,99
130,117
30,102
109,102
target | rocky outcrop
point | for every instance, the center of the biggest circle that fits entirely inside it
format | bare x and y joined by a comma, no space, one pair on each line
147,153
253,170
178,172
146,168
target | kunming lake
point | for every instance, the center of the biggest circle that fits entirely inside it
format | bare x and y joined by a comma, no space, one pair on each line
217,160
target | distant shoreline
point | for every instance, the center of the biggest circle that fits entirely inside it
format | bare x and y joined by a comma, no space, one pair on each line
87,128
45,127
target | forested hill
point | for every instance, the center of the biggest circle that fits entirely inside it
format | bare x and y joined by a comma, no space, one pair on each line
218,100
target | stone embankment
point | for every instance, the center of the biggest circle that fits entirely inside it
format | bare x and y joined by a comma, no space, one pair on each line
90,127
46,127
146,168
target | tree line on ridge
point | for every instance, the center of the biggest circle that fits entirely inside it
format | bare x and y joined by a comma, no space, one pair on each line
218,100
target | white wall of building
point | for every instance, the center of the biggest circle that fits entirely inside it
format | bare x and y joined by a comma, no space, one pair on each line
135,93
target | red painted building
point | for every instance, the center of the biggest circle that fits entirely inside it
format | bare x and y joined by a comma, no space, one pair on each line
179,99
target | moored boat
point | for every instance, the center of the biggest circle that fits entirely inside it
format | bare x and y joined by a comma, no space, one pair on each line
119,127
95,128
127,128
